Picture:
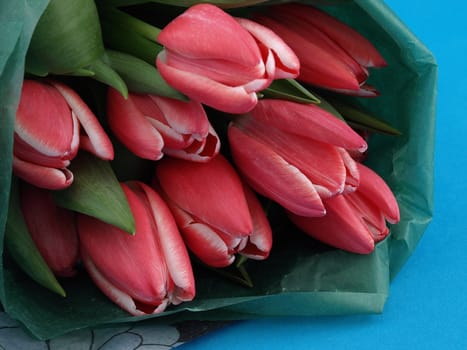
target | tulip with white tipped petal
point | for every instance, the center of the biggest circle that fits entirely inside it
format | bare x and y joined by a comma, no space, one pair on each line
145,272
216,215
332,54
52,123
234,60
151,126
295,154
51,228
355,221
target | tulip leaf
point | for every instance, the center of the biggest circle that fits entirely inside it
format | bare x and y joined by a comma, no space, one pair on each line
67,38
140,76
125,33
23,249
324,104
96,192
360,119
105,74
289,89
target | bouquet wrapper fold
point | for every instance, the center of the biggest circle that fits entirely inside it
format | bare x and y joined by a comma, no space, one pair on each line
302,277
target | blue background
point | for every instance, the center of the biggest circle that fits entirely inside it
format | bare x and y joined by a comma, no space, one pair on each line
427,305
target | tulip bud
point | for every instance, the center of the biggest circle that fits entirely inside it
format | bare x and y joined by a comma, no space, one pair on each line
145,272
294,154
215,216
235,59
341,56
47,134
151,125
355,221
52,229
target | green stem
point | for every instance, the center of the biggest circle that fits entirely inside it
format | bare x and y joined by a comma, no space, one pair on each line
130,23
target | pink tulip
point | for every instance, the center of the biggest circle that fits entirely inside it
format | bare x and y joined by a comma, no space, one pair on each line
355,221
47,134
151,126
51,228
143,273
217,216
332,54
295,154
220,61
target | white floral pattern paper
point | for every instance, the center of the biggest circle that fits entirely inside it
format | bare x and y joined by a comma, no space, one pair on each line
141,336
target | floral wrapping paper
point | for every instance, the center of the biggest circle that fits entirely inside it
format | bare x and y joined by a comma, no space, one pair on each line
310,279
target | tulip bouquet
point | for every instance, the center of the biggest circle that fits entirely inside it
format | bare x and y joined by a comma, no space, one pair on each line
223,160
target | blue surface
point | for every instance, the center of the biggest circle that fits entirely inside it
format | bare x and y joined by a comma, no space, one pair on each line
427,305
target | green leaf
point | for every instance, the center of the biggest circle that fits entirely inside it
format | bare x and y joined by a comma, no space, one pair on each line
125,33
140,76
105,74
324,104
289,89
96,192
67,38
23,249
360,119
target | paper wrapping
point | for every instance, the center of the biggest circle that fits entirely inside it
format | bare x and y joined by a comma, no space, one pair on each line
302,276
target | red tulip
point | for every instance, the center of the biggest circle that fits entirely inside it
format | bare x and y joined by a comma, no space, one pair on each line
216,215
47,134
340,55
355,221
295,154
219,61
51,228
143,273
151,126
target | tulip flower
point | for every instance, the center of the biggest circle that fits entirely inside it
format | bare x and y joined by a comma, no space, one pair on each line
222,62
151,126
47,134
332,55
51,228
295,154
355,221
143,273
216,215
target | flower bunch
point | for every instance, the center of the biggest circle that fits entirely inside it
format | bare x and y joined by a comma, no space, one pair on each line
220,110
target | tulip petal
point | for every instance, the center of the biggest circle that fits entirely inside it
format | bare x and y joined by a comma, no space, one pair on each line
212,192
207,245
204,90
132,128
42,176
229,41
320,162
322,68
29,154
352,178
95,140
376,190
132,264
119,297
259,243
272,176
222,71
43,120
340,227
198,151
287,63
308,120
349,39
52,228
184,117
171,244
